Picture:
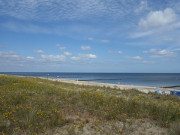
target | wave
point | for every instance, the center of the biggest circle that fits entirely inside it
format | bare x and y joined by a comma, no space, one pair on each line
99,79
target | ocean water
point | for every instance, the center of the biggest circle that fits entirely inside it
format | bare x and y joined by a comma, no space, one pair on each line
143,79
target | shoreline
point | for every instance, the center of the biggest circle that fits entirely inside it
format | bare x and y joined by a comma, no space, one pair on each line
145,89
55,106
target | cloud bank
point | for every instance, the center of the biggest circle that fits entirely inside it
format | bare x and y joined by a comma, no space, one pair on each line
157,19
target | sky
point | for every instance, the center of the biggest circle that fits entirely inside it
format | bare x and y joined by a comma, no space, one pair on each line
124,36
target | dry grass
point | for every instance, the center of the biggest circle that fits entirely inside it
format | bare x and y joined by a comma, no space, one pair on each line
39,106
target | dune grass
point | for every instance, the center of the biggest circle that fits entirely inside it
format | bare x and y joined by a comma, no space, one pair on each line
40,106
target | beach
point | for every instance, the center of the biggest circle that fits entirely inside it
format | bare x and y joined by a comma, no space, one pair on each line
89,67
145,89
142,81
35,105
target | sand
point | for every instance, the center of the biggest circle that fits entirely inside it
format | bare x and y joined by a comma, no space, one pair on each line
144,89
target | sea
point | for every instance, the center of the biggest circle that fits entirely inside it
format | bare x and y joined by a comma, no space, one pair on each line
140,79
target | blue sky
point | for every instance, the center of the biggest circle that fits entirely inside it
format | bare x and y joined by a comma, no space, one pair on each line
90,35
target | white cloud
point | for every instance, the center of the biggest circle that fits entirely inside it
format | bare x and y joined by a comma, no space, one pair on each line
104,41
142,6
29,58
114,52
90,38
62,48
144,62
55,10
13,59
157,23
10,56
85,48
134,58
119,52
88,56
148,62
164,53
53,58
67,53
161,53
141,34
84,57
156,19
150,51
75,58
38,51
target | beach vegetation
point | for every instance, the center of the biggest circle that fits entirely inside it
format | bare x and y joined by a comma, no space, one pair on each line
39,106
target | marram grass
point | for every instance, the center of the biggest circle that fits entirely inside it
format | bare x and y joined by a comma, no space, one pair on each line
39,106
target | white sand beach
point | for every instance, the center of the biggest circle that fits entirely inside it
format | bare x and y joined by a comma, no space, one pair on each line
145,89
